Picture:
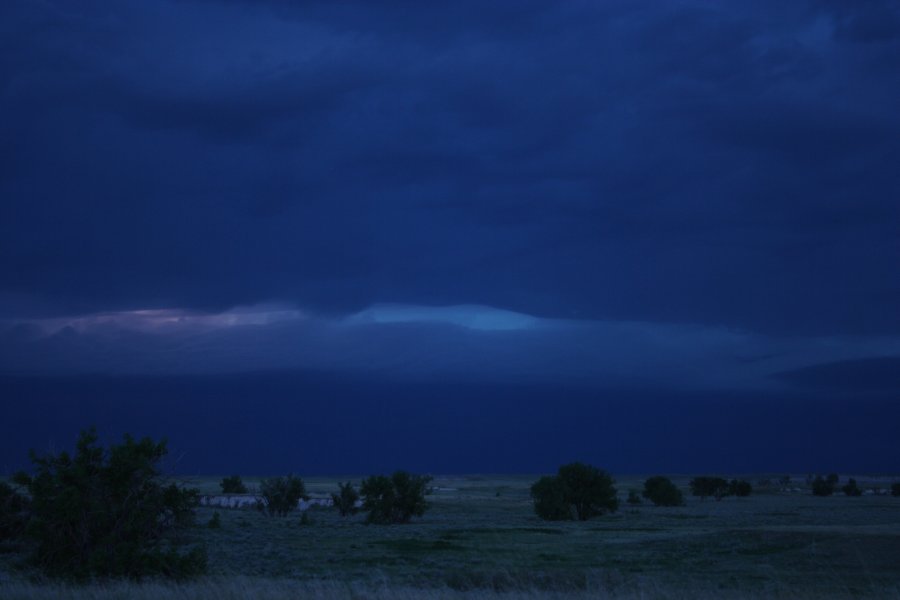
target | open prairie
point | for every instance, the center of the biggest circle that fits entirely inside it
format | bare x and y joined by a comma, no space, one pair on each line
481,537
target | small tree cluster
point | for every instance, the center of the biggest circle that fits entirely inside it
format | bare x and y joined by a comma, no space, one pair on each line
109,512
577,491
395,499
824,486
233,485
662,492
895,489
280,495
851,489
346,498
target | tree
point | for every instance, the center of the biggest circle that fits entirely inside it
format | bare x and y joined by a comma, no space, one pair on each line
14,508
233,485
851,489
823,487
739,488
576,491
662,492
709,486
346,498
395,499
633,498
280,495
895,489
109,512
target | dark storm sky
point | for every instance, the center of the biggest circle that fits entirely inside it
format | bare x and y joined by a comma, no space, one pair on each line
665,213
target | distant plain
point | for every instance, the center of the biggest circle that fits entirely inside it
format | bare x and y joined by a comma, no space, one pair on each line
481,537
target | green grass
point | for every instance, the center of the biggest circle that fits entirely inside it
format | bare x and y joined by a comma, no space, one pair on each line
767,545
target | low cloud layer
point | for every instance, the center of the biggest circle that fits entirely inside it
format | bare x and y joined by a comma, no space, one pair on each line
426,343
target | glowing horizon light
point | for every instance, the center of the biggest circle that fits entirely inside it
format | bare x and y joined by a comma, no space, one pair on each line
470,316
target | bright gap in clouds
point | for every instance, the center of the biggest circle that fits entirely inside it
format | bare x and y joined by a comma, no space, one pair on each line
470,316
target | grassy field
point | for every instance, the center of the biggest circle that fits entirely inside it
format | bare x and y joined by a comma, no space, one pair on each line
481,537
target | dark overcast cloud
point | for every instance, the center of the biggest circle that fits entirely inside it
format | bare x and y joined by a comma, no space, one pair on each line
657,198
671,163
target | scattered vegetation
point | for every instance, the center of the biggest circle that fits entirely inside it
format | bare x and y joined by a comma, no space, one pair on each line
739,488
345,499
395,499
109,513
662,492
707,486
577,491
824,486
851,489
280,495
233,485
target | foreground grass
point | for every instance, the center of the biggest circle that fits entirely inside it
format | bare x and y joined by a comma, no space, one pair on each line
481,539
240,588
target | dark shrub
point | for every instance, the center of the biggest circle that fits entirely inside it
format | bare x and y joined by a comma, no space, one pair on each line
280,495
662,492
822,487
110,513
576,491
215,521
851,489
14,509
633,498
709,486
233,485
346,498
739,488
550,501
895,489
395,499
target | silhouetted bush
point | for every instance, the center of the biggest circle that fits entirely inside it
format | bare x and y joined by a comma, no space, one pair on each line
346,498
576,491
215,522
633,498
662,492
14,510
109,513
709,486
822,486
233,485
280,495
851,489
895,489
739,488
395,499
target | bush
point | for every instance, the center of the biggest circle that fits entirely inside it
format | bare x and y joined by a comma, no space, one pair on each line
109,513
709,486
346,498
395,499
215,521
576,491
280,495
233,485
823,487
633,498
895,489
14,509
851,489
739,488
662,492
